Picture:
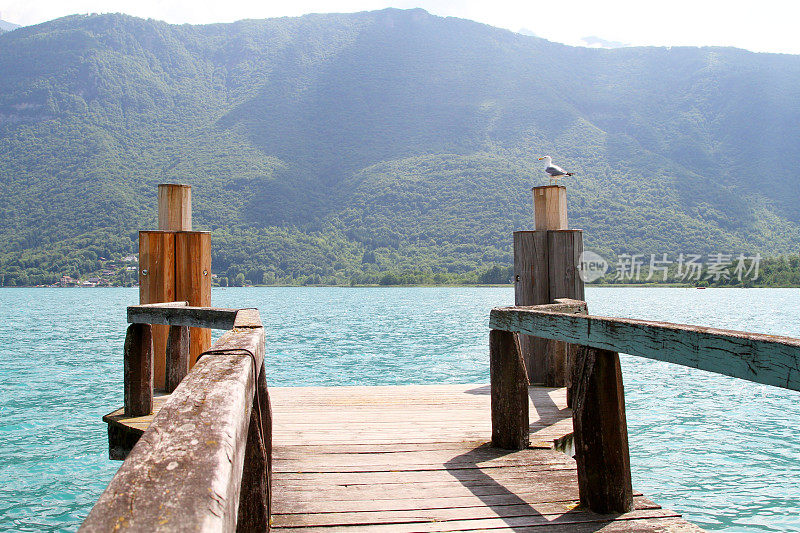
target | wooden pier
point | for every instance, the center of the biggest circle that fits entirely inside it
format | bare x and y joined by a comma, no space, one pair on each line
219,450
418,458
224,452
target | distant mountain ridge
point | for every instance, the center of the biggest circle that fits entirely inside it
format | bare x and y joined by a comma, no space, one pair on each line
7,26
593,41
335,146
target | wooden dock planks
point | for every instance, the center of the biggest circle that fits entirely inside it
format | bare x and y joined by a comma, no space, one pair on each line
416,458
408,414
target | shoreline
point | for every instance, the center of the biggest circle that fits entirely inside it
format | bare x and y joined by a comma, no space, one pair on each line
443,285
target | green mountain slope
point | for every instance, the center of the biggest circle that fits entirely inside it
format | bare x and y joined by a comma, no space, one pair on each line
334,148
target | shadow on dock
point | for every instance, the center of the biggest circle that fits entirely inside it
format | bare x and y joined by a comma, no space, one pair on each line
495,496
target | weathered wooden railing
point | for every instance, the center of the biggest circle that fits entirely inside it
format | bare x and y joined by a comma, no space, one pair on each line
598,401
204,463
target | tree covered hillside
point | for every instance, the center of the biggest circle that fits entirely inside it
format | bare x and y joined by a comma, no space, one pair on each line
345,148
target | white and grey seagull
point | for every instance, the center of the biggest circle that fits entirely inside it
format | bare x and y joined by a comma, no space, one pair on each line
554,171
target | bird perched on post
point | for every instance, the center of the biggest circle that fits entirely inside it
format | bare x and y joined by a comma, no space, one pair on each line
554,171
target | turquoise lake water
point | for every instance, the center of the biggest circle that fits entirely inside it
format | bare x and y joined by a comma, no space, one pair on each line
724,452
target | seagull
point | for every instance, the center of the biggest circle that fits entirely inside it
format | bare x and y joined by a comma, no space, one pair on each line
554,171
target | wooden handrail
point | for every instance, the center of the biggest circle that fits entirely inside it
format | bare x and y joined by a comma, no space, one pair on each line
204,462
598,400
767,359
182,314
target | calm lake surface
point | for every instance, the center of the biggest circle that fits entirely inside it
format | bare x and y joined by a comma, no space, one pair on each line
724,452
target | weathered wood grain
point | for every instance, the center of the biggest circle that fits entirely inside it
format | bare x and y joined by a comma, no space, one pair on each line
296,475
546,511
532,287
430,416
193,281
512,523
174,207
601,432
767,359
533,494
642,525
177,303
177,363
138,370
256,487
509,397
157,284
550,207
247,318
124,432
546,269
185,472
197,317
396,485
363,471
422,503
564,249
556,479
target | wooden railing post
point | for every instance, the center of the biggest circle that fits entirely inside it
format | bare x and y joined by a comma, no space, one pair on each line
138,373
509,392
598,410
601,432
255,498
177,361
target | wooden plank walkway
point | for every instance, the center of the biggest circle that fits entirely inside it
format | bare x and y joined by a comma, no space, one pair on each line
416,458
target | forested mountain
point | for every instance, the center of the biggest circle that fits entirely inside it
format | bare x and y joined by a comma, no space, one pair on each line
340,147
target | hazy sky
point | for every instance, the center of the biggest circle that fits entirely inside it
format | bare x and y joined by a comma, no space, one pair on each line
759,25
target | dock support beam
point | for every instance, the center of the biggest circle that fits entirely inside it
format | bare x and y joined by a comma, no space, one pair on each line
177,363
545,269
255,497
509,389
138,373
601,432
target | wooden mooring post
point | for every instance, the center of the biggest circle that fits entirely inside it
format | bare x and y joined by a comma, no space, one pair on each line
545,269
175,265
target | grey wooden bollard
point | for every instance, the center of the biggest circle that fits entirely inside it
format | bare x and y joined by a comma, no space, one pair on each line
545,269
